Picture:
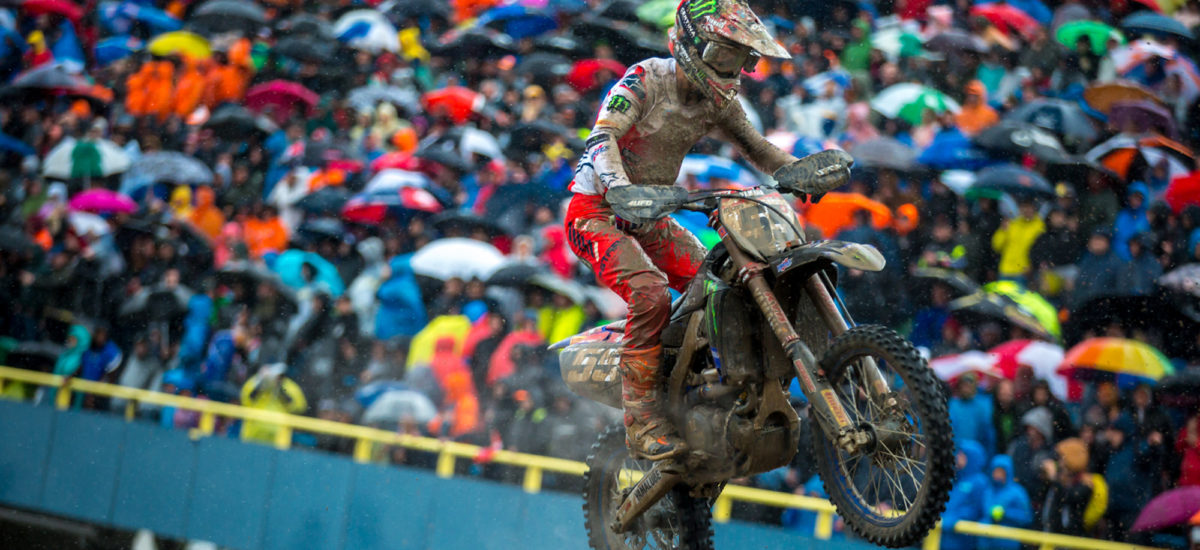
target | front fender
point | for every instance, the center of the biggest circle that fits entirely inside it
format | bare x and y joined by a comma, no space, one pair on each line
863,257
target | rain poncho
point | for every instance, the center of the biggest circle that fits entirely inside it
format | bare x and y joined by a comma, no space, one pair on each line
965,496
206,216
1014,242
1130,221
268,393
1012,501
362,290
181,202
401,310
68,363
972,419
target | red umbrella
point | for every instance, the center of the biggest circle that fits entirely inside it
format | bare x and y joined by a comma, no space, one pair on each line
374,208
1168,509
65,8
1008,18
286,97
1184,190
456,102
583,74
398,160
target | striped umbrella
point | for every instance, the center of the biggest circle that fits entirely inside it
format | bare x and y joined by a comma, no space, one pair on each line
1129,361
1119,153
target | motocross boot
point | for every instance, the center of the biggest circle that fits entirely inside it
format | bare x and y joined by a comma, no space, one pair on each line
649,434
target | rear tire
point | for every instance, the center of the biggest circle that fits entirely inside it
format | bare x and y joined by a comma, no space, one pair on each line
918,460
678,521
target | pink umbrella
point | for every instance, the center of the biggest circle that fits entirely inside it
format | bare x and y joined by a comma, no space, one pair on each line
286,97
1171,508
102,201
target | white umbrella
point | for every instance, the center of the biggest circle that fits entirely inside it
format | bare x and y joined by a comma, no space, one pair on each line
85,223
399,406
59,163
367,30
457,257
475,141
394,179
951,366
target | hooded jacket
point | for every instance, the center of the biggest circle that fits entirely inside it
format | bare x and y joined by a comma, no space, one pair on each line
68,363
1130,468
1009,496
1131,221
206,216
401,310
965,497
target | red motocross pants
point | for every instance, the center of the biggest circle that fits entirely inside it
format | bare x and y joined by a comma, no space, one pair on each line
639,264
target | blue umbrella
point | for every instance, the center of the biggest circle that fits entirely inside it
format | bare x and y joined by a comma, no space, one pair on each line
951,150
1035,8
288,265
14,145
116,48
119,18
1148,22
518,21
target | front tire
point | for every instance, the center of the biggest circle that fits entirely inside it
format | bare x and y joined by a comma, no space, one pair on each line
893,493
678,521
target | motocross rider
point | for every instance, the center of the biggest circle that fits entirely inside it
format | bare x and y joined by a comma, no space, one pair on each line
646,125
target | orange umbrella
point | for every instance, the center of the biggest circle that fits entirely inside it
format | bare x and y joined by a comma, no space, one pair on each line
1102,96
836,211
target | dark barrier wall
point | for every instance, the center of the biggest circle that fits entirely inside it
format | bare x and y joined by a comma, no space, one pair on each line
100,469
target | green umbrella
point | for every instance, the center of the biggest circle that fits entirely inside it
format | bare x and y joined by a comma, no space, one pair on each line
1098,34
928,99
660,13
1045,313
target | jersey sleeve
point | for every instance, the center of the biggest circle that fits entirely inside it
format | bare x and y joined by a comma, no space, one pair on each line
737,129
621,108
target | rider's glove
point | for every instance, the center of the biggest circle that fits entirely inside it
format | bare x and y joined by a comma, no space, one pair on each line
815,174
997,513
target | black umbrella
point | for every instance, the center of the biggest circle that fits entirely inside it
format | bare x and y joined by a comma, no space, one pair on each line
12,239
630,42
1012,179
367,98
532,136
234,122
958,281
544,68
1179,390
1011,139
251,275
884,152
326,200
1063,118
474,42
453,223
515,274
404,9
39,356
561,44
48,77
306,48
317,155
984,307
1148,22
157,303
229,15
952,41
620,10
305,25
323,229
445,156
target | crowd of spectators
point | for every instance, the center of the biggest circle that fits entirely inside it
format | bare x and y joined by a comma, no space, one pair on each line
353,210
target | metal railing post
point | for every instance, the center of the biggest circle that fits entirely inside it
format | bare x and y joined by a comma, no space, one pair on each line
722,509
62,399
283,437
933,540
445,463
362,450
130,410
533,479
824,527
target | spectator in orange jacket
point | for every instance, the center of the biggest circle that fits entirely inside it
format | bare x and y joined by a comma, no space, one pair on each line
206,216
265,233
226,82
460,415
976,115
190,88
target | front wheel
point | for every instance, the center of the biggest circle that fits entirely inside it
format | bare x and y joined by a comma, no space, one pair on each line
892,491
677,521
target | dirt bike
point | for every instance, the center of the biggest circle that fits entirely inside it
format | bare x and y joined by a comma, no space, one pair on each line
762,311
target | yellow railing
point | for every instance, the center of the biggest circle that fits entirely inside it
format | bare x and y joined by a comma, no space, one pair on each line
449,452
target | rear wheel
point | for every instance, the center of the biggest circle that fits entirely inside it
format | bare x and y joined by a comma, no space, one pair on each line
894,490
677,521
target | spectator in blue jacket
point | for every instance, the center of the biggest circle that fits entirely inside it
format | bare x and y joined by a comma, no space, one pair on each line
971,413
1129,464
1131,220
97,364
966,496
401,311
1005,503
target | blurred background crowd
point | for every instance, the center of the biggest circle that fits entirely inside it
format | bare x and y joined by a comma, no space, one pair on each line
353,210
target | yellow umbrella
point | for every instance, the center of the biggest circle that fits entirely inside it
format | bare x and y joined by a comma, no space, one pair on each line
180,42
420,350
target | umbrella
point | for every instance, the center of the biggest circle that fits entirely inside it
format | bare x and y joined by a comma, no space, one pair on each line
305,25
1168,509
950,367
1011,179
893,99
455,102
290,263
1041,357
395,179
457,257
366,98
544,67
517,21
559,285
397,406
1184,280
13,145
1030,301
953,41
474,42
180,42
1131,62
1097,33
818,84
445,156
303,48
397,160
1130,361
631,42
86,223
235,123
119,18
322,229
566,45
166,166
50,76
229,15
406,9
375,208
82,159
158,303
367,30
1102,96
1008,18
956,280
1035,8
515,274
454,223
1157,24
1016,139
659,13
583,75
325,200
116,48
953,150
13,239
479,142
1179,390
65,8
708,169
884,152
983,307
1066,119
1120,153
532,136
102,201
1142,116
34,355
284,96
251,275
836,212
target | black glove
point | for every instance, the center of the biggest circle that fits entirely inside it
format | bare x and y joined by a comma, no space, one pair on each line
816,174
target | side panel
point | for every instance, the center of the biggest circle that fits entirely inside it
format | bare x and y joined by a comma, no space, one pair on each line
590,369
